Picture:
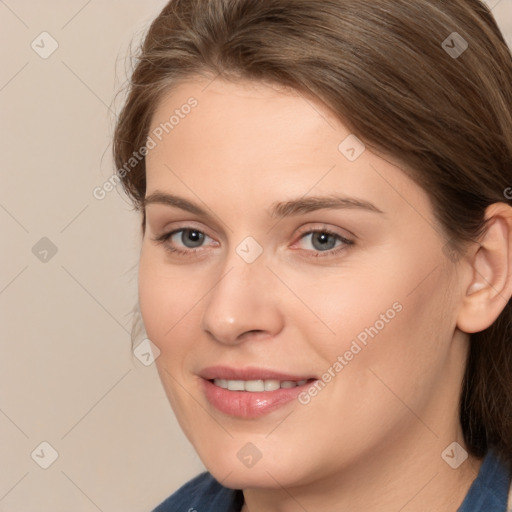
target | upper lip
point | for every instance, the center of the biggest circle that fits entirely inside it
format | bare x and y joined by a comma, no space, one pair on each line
248,373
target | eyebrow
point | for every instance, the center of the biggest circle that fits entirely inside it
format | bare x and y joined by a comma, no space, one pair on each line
311,204
174,201
277,210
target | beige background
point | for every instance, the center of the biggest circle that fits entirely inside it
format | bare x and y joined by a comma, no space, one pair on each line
67,373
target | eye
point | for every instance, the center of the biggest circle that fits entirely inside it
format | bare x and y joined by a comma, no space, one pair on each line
190,238
184,240
323,241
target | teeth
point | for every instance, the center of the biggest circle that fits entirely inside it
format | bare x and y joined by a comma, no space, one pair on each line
236,385
256,386
272,385
222,383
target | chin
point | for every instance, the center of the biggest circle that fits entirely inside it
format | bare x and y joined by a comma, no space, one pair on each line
251,478
234,468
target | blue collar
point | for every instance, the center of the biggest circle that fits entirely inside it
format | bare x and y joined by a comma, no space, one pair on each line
489,491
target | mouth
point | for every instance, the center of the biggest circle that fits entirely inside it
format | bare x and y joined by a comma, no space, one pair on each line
259,385
250,392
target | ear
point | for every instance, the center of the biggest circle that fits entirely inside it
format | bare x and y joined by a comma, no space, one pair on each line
490,286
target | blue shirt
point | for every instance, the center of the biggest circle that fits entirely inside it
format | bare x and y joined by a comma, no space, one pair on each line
488,493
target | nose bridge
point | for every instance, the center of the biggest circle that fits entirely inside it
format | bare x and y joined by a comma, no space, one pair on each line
241,299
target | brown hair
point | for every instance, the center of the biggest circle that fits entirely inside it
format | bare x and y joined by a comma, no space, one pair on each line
386,69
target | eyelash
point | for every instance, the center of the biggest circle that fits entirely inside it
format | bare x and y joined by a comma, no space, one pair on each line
331,252
164,239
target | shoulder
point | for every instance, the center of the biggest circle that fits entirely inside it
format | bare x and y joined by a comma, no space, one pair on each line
202,494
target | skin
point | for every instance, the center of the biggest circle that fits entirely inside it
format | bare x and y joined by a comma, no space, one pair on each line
372,438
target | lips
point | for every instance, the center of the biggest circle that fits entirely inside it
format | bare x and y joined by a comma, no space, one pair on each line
250,392
249,373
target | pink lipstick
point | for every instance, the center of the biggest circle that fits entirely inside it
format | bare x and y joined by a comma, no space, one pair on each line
250,392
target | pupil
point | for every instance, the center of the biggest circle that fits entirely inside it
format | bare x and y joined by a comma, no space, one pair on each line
192,238
323,241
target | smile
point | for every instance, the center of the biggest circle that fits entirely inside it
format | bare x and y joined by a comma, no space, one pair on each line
257,386
250,392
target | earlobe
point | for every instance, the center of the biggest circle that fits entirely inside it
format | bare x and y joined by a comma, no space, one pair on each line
490,287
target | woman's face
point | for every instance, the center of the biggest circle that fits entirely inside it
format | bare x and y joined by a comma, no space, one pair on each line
278,249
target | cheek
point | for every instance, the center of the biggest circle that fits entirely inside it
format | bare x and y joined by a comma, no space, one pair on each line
346,306
168,304
396,317
167,298
386,361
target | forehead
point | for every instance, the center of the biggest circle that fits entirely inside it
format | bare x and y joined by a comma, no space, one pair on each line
252,143
242,114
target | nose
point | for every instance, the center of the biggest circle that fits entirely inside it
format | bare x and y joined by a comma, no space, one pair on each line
243,304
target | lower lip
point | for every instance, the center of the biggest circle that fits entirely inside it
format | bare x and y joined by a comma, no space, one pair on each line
247,404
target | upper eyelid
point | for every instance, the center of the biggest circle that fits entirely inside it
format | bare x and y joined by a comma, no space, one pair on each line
324,228
178,230
188,225
303,231
221,235
217,225
167,234
345,240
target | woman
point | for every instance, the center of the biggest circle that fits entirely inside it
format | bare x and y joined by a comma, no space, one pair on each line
326,263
